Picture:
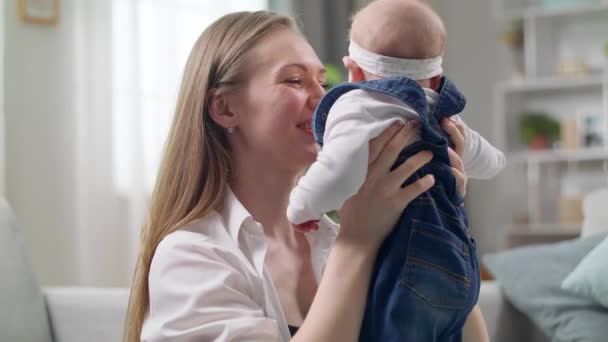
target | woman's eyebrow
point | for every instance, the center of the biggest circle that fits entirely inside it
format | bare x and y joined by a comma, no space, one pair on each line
301,66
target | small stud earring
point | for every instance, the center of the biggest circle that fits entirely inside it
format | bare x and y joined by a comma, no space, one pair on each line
230,130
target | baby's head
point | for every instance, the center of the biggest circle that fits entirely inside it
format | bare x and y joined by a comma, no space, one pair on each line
404,29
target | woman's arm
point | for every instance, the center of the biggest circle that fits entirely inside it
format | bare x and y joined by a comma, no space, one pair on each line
366,219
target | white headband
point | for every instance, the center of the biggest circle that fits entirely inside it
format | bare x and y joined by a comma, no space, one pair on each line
384,66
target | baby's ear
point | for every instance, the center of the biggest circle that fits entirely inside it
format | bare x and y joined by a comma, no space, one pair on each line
435,82
355,73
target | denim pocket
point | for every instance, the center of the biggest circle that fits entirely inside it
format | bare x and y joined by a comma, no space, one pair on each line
437,266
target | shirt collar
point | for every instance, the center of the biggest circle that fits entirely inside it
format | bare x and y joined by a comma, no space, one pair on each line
431,96
235,217
234,214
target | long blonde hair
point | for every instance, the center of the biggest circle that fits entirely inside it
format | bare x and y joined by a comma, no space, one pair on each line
196,165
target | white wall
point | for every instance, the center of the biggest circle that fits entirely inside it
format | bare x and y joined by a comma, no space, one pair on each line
59,165
476,61
40,141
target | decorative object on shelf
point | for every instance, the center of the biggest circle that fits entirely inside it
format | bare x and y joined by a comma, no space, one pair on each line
569,3
574,188
570,206
572,68
570,210
43,12
539,130
593,129
570,135
514,39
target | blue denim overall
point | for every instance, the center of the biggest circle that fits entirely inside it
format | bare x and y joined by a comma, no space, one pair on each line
426,277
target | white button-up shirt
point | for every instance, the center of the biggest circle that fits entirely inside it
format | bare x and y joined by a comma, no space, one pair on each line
207,281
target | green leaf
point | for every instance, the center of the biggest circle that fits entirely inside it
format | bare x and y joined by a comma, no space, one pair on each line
334,76
535,124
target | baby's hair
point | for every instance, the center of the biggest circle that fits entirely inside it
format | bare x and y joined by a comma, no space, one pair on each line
399,28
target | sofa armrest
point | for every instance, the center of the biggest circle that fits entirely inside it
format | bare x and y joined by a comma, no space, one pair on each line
81,314
505,323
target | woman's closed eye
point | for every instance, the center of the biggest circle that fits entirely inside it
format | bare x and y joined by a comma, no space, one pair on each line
298,82
294,81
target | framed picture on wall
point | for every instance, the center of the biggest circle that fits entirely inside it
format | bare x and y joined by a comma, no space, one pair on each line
43,12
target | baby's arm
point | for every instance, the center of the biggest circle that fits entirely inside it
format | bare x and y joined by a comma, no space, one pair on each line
337,174
481,159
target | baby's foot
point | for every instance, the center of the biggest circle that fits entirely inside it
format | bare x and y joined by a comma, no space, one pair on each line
308,226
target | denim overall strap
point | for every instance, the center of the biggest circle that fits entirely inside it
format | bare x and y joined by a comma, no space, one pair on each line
450,102
402,88
319,117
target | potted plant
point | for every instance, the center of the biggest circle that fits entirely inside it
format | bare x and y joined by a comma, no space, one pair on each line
539,130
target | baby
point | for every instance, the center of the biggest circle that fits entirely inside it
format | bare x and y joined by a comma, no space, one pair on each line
426,278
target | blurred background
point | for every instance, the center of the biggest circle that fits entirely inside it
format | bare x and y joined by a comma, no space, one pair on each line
89,87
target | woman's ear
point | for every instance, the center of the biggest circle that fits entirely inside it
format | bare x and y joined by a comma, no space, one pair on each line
219,110
355,73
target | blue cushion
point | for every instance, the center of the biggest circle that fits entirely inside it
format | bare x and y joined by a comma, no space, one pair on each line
590,277
531,278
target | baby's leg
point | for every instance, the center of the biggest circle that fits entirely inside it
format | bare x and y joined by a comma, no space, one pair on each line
475,327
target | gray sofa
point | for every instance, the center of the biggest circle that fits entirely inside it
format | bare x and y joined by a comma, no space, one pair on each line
505,323
29,313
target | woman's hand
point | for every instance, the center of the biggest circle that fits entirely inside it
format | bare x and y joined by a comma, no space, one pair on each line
369,216
457,132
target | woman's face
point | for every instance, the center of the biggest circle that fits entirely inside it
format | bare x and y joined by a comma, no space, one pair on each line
284,83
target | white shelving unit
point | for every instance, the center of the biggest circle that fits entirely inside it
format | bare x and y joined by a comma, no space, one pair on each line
550,36
520,11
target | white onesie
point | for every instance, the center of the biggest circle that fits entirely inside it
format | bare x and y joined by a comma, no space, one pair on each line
341,167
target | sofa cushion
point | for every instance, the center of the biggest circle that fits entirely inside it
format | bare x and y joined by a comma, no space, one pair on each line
80,314
23,316
590,277
531,278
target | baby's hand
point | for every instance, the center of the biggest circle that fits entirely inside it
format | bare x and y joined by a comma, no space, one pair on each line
307,226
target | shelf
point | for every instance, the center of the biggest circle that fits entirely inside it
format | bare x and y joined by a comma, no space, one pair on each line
543,229
585,154
539,12
550,84
532,234
566,11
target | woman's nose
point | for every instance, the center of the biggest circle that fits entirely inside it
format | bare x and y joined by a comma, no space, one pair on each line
315,97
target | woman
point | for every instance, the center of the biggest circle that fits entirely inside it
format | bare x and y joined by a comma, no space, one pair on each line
219,260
